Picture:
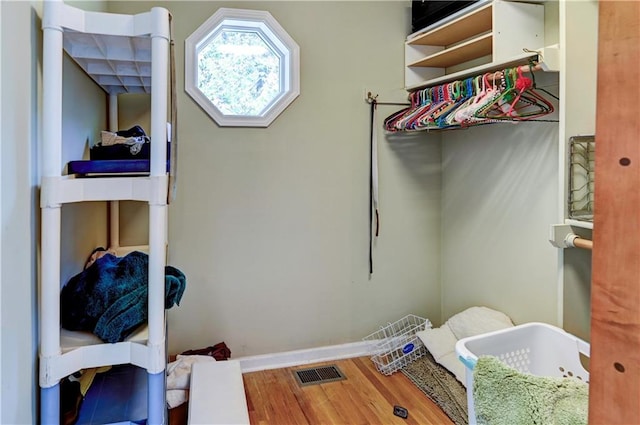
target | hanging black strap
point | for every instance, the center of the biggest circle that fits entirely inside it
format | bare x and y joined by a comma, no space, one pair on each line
371,185
374,215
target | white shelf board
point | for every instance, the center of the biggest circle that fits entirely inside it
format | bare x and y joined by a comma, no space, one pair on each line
471,49
113,49
121,251
579,223
68,189
54,368
445,21
70,340
117,64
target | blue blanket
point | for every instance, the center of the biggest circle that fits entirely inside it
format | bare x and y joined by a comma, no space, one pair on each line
109,298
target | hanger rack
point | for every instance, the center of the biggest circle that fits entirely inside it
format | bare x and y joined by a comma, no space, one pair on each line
499,96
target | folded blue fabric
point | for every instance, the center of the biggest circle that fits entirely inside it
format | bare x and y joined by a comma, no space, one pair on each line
109,298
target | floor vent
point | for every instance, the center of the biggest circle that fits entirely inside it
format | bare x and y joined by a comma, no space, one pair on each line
318,375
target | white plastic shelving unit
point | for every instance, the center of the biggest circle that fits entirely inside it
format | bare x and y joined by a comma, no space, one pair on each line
123,54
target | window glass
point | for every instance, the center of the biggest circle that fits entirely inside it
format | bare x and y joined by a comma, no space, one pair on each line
242,68
239,72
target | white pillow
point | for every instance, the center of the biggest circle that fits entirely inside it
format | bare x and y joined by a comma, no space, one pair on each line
439,341
477,320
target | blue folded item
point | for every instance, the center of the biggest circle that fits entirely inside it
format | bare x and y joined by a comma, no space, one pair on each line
111,166
109,298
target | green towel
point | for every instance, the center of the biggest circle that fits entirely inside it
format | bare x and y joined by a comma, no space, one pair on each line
504,396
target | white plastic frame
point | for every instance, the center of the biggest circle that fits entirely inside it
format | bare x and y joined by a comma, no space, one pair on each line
244,19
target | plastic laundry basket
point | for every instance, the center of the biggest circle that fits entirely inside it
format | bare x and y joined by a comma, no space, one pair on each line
535,348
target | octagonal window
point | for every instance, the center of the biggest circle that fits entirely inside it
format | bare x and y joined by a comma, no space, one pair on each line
242,68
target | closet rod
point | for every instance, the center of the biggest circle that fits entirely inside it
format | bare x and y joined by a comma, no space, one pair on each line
521,68
374,99
493,75
575,241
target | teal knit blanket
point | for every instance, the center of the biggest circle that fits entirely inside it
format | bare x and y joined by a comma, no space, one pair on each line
504,396
109,298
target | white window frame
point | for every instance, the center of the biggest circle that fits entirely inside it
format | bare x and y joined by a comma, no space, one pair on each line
251,20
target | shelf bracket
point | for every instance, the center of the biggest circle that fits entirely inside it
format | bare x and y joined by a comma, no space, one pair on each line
562,236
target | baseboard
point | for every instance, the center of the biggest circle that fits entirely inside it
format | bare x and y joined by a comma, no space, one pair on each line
306,356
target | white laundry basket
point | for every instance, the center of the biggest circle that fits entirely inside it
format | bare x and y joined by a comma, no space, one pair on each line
536,348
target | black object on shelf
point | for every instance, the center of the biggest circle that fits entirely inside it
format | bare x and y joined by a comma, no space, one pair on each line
427,12
138,148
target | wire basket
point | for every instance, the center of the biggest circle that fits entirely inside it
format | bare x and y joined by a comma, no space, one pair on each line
581,177
396,345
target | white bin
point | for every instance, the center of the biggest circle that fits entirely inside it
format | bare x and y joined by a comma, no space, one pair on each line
535,348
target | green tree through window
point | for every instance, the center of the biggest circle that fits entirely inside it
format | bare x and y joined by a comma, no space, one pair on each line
242,68
239,72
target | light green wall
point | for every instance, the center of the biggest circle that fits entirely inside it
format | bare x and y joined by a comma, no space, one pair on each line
580,61
84,111
499,198
134,224
20,45
270,225
21,83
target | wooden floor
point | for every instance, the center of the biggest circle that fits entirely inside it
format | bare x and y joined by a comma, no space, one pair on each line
365,397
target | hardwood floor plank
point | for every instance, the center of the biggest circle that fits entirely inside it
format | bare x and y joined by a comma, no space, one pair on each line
366,397
403,392
349,403
399,390
377,408
279,403
363,396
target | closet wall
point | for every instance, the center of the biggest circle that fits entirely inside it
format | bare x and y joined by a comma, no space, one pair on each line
499,196
21,39
18,208
134,216
580,34
84,108
504,186
274,220
271,225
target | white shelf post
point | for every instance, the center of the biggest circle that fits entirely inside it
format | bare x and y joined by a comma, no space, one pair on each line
158,214
51,212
